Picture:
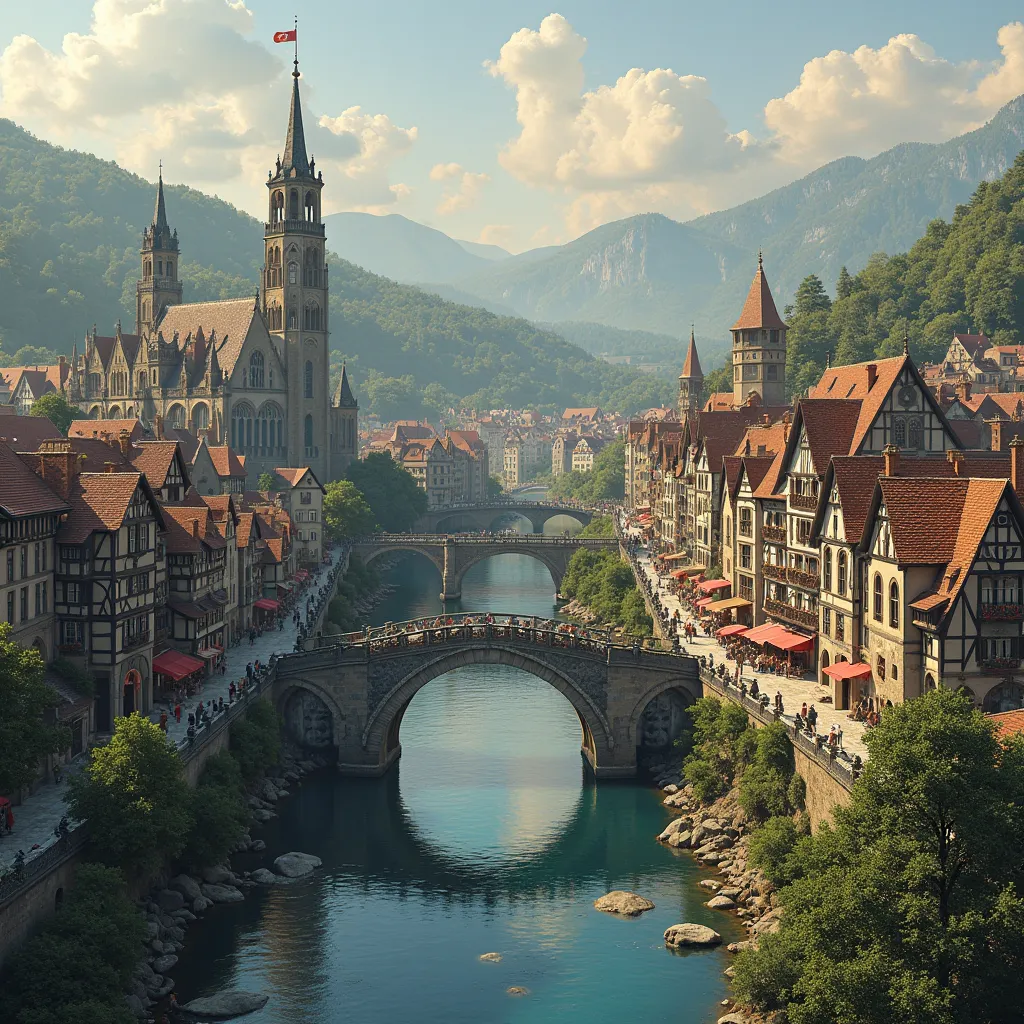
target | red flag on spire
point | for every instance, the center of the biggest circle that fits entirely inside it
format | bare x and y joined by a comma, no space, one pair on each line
285,37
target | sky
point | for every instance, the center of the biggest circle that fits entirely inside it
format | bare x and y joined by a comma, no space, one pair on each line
518,124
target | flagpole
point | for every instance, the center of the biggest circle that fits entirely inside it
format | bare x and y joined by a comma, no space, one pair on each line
296,42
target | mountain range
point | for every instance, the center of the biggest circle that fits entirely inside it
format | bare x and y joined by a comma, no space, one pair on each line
654,274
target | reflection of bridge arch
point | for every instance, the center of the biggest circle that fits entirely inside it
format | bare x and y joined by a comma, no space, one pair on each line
383,725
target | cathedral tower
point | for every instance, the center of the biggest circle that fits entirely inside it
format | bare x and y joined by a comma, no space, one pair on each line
295,294
691,382
759,346
159,286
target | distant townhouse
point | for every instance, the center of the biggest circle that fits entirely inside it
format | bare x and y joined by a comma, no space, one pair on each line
303,499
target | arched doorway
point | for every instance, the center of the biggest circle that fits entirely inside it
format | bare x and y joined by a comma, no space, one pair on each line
824,679
132,692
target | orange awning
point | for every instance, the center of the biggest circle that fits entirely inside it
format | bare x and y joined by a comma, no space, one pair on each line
848,670
760,634
732,630
708,585
176,665
786,640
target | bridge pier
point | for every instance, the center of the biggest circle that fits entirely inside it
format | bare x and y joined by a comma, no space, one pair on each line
451,578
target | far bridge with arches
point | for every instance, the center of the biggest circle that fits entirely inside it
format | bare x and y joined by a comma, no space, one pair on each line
353,694
484,516
455,554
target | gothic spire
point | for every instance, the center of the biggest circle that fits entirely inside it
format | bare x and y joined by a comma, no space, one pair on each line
343,397
294,158
160,212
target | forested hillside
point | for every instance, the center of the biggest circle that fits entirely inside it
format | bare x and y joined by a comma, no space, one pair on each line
70,228
965,275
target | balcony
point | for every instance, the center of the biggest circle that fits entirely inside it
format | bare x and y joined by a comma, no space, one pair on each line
774,572
292,227
1008,612
807,580
809,620
1000,664
774,533
807,502
138,640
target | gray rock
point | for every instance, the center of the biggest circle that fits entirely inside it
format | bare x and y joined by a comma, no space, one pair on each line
628,904
170,899
175,934
219,874
223,893
257,846
740,947
680,936
139,989
265,877
188,887
135,1006
681,840
709,883
733,1018
670,788
164,964
201,904
295,865
184,915
263,816
165,989
267,791
674,826
152,930
721,903
225,1005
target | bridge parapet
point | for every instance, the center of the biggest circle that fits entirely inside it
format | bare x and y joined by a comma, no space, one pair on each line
482,514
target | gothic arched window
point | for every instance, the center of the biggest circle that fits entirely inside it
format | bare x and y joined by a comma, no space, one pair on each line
842,573
293,204
270,426
311,317
307,383
915,432
877,598
293,319
277,208
256,370
899,432
310,205
293,273
894,605
200,418
309,434
241,427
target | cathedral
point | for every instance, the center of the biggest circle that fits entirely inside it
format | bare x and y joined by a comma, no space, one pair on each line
251,372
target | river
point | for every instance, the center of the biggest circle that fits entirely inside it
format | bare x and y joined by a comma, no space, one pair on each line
488,836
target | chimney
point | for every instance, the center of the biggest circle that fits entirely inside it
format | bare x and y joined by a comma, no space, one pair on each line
1016,467
109,467
872,369
58,466
954,458
963,388
746,446
767,420
891,454
762,451
125,442
195,528
995,429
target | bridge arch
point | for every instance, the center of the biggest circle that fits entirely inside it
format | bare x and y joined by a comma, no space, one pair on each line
433,553
319,719
381,733
682,691
557,567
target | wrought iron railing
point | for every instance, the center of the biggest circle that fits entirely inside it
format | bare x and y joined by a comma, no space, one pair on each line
1004,612
796,615
807,580
774,572
807,502
774,533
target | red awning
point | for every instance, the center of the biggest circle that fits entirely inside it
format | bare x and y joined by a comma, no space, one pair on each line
679,573
760,634
266,604
176,665
848,670
786,640
732,630
703,601
708,585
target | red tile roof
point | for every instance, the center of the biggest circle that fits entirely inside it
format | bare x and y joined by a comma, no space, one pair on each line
1008,723
292,475
759,309
22,493
109,428
830,425
691,367
98,503
26,433
154,458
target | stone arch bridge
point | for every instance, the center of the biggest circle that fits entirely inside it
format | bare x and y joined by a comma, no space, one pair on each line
454,555
352,695
484,515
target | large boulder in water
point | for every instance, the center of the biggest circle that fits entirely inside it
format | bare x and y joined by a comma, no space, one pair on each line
628,904
223,893
295,865
679,936
225,1005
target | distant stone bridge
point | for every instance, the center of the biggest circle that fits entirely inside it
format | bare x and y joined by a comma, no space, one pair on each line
484,516
454,555
352,695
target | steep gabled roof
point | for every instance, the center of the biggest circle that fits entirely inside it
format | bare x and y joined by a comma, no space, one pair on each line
229,319
99,503
154,458
293,476
22,493
225,461
830,425
343,397
759,309
691,366
26,433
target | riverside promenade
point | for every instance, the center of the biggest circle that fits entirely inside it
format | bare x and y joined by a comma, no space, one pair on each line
36,818
795,691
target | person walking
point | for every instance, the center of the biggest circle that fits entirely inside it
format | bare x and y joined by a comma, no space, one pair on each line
163,721
812,719
177,713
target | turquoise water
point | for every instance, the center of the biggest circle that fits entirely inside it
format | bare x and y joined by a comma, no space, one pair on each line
488,837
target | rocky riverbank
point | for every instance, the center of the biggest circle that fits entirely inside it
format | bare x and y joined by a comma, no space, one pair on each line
169,909
717,836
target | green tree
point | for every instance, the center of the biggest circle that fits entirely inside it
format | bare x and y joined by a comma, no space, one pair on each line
764,785
266,482
390,490
909,908
56,408
78,968
844,284
27,733
722,742
810,338
346,513
495,486
134,793
256,740
719,380
221,812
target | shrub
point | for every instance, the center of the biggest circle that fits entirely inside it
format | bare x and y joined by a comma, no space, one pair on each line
722,744
78,967
765,784
256,740
220,811
771,848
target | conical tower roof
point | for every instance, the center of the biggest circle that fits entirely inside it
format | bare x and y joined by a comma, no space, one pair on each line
343,397
295,159
691,368
759,309
160,210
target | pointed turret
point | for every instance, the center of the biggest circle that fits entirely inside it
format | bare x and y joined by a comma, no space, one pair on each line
343,397
294,162
159,287
691,381
160,213
759,346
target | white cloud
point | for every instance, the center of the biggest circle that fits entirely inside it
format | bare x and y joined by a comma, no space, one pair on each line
655,140
464,193
184,80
